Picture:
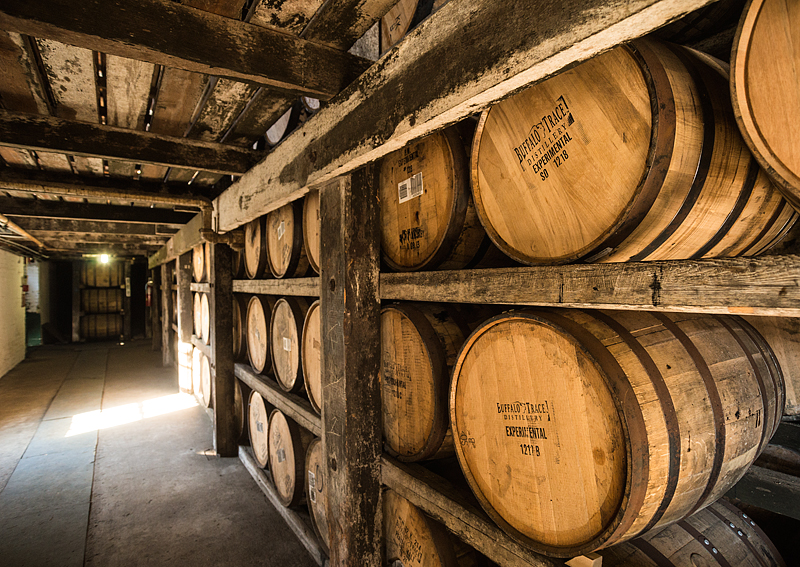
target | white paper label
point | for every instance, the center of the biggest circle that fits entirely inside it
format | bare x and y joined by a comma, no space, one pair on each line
281,455
287,344
410,188
281,229
312,486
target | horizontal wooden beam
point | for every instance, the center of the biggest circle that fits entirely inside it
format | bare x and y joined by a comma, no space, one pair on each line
751,286
53,181
303,287
174,35
74,238
340,23
201,345
35,132
437,498
184,240
200,287
292,405
296,518
19,208
48,226
102,248
769,490
460,60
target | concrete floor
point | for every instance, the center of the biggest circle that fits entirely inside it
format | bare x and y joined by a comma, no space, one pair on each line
104,463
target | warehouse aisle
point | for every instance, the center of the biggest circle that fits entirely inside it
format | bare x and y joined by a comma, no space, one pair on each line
104,463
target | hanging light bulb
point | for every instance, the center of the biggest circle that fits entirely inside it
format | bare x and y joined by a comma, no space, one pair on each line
104,258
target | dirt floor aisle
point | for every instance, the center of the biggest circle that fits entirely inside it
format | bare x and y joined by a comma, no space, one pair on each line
104,463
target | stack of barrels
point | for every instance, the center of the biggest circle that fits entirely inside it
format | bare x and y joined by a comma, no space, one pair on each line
102,290
201,317
280,339
580,430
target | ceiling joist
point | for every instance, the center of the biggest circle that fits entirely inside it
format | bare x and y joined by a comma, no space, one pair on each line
18,208
46,133
167,33
50,227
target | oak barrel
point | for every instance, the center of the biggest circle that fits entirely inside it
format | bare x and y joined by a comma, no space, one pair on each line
258,428
428,220
101,300
259,313
286,257
402,17
412,537
255,248
95,274
765,73
311,355
317,491
287,455
206,387
241,397
631,156
579,430
101,326
199,262
718,535
284,125
240,301
312,226
196,379
238,264
419,344
197,315
286,330
783,336
205,318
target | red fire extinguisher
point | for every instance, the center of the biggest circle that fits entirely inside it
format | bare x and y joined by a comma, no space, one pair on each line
148,293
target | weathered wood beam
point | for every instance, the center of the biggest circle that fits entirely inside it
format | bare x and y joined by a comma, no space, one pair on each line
184,240
225,434
769,490
61,238
167,354
20,208
52,181
340,23
466,56
351,422
744,286
170,34
48,133
303,287
101,248
437,498
47,225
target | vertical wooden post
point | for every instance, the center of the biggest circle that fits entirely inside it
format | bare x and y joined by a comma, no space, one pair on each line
155,311
126,303
221,307
166,314
185,322
76,301
351,418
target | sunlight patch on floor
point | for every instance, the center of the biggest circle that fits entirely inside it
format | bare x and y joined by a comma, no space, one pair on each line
129,413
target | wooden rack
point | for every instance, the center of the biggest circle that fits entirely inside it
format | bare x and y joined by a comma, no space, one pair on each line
487,55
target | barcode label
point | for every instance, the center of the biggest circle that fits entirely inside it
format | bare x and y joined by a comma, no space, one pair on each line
312,486
281,455
287,344
410,188
281,229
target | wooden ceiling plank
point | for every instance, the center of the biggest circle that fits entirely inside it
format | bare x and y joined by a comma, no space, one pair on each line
82,138
20,87
97,238
18,208
291,16
54,162
342,22
18,158
50,225
168,33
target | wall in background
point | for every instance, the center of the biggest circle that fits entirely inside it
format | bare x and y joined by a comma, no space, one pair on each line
12,312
